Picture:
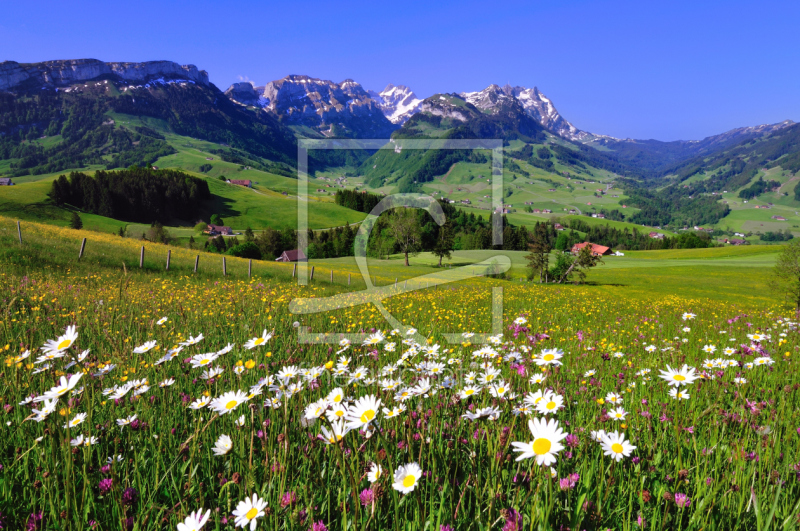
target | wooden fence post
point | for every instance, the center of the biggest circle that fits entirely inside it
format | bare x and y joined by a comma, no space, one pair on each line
83,246
294,270
141,258
312,273
196,262
348,279
224,268
331,276
19,233
250,269
169,255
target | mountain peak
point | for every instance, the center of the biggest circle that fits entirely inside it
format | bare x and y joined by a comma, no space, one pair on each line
397,102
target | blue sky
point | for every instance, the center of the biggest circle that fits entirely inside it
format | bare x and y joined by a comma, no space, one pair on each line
639,69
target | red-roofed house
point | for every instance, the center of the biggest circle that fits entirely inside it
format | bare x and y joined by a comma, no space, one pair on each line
295,255
597,250
242,182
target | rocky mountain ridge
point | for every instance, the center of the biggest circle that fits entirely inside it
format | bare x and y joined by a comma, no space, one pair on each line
397,102
61,73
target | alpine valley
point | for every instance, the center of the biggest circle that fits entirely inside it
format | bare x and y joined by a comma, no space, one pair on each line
232,154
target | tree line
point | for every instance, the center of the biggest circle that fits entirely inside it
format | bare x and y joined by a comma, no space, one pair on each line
141,195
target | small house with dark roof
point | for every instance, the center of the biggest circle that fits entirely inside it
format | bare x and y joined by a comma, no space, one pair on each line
295,255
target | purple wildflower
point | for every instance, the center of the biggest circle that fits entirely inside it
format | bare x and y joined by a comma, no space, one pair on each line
105,485
682,500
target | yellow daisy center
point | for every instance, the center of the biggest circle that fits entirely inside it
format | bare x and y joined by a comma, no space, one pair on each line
548,357
64,344
340,413
258,341
205,361
232,404
251,513
501,390
541,446
409,481
680,377
616,448
551,405
469,392
368,415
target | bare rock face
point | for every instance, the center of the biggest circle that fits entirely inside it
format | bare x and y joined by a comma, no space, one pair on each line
535,104
244,93
328,107
15,75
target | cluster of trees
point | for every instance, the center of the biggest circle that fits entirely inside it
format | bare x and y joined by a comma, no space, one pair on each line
673,207
758,188
626,239
360,201
136,194
777,236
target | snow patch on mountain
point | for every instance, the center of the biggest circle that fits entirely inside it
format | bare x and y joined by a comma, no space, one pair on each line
397,102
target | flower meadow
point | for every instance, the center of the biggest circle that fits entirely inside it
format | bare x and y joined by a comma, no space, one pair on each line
170,402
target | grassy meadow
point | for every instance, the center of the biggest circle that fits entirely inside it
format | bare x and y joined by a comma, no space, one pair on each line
187,391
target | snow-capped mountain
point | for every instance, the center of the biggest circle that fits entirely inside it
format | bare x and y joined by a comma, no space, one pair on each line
536,104
333,109
397,102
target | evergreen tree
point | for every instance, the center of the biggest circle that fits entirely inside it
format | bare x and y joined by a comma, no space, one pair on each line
443,245
540,247
75,221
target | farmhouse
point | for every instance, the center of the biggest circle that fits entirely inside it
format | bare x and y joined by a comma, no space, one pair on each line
6,181
242,182
735,241
295,255
597,250
656,235
779,218
216,230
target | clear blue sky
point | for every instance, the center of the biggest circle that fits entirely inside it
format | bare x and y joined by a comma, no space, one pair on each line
639,69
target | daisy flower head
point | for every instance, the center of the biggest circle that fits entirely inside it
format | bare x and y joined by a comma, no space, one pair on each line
740,381
126,421
519,321
406,477
375,473
537,379
63,342
193,340
258,341
758,337
64,386
550,404
677,377
615,446
248,510
195,521
589,373
223,445
373,339
688,316
363,412
650,348
617,413
677,394
550,356
394,412
167,382
200,403
546,443
469,391
499,389
709,349
162,321
77,419
141,349
728,351
315,409
338,433
201,360
614,398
